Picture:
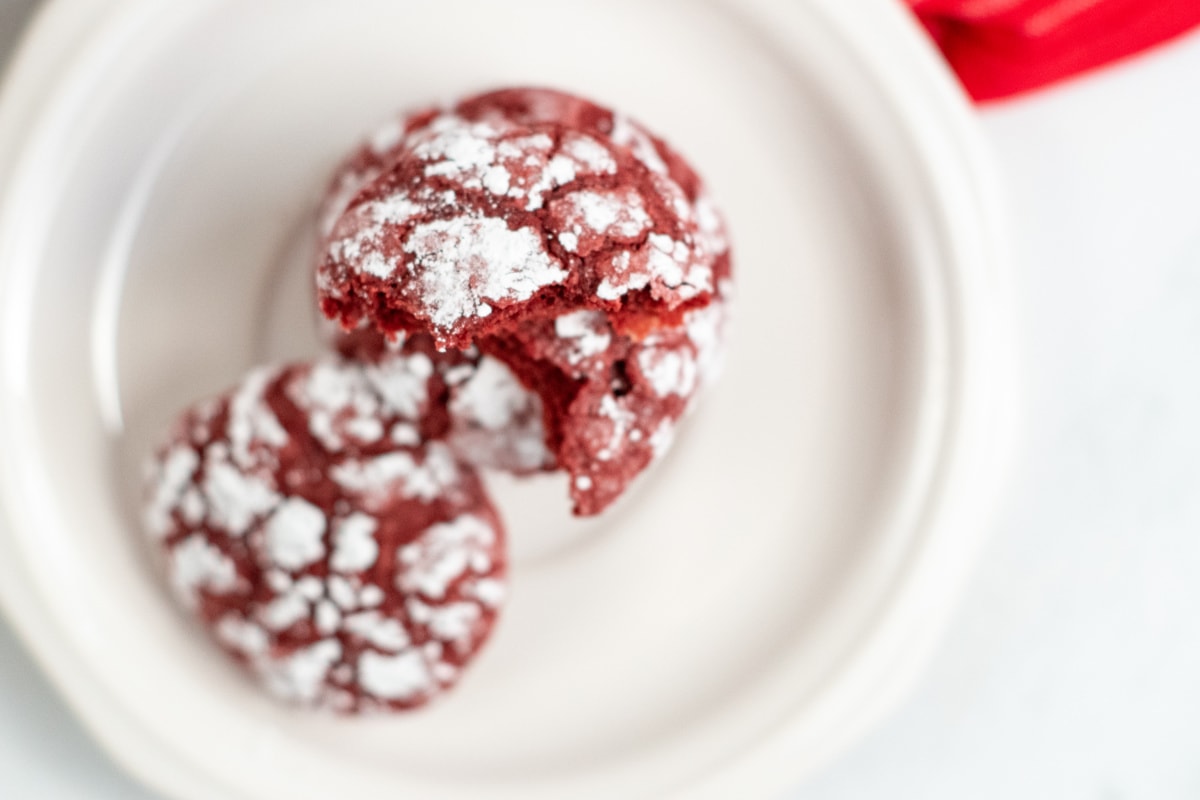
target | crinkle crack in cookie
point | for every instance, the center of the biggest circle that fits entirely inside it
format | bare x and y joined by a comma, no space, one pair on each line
315,527
554,235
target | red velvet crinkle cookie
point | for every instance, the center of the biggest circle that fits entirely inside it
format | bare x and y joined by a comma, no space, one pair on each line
523,223
324,540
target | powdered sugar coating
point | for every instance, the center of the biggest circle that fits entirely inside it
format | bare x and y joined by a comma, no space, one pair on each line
497,423
491,420
584,334
466,265
306,579
294,534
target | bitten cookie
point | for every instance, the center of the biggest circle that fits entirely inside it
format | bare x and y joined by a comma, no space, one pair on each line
527,223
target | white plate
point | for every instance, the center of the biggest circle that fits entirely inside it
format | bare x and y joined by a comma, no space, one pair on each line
767,593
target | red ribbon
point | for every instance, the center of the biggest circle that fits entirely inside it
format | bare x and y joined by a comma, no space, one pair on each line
1003,47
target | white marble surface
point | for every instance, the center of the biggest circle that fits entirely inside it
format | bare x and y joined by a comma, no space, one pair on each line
1073,668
